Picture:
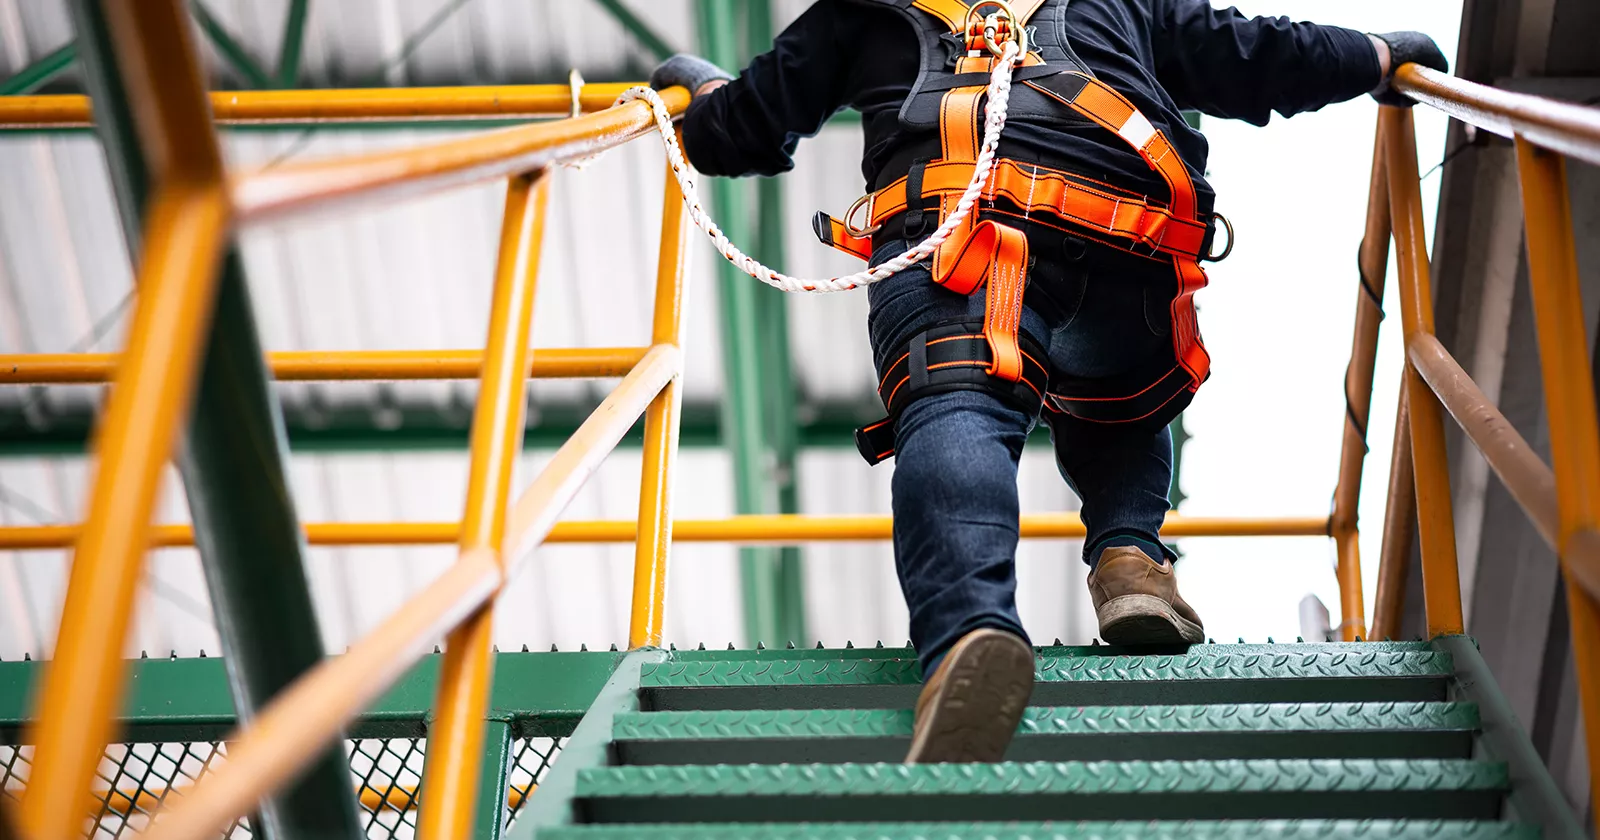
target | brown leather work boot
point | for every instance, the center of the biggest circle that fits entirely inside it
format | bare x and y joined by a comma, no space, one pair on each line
970,708
1138,603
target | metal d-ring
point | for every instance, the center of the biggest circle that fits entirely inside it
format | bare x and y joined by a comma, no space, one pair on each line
991,27
850,215
1226,251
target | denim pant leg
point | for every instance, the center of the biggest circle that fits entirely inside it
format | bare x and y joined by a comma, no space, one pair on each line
955,517
1113,319
1122,475
955,477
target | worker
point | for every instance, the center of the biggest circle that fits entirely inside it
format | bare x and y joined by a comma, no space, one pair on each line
1066,294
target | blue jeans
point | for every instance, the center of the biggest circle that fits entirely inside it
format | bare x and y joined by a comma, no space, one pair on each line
1100,313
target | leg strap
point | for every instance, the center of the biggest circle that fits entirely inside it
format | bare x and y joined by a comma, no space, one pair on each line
950,357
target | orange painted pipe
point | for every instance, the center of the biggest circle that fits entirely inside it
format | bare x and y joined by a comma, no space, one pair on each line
1373,264
1560,126
186,228
1441,576
654,544
342,105
453,766
1570,410
309,714
1399,531
783,529
1527,477
484,156
341,365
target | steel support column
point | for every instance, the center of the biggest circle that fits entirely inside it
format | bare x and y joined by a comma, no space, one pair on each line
38,74
777,380
294,39
232,463
746,420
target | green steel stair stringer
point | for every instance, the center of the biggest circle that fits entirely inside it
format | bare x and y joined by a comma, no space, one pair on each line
1209,830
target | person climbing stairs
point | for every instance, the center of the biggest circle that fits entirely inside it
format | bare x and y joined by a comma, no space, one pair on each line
1373,739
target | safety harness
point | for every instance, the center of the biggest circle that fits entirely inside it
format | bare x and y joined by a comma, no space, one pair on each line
1052,86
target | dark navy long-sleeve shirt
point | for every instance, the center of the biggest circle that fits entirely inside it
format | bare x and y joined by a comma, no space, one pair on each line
1163,55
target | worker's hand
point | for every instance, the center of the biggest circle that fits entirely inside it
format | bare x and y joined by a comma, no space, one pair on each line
690,71
1406,47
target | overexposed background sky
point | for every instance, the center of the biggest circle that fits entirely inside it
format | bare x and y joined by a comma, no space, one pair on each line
1278,318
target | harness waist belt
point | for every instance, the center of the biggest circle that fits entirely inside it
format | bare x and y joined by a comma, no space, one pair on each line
1041,189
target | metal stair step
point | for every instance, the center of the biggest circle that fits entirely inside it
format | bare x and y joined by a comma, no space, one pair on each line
1204,674
1212,830
1049,651
1091,733
1142,790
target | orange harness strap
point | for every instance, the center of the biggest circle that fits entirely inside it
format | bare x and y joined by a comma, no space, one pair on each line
986,251
1112,111
1040,189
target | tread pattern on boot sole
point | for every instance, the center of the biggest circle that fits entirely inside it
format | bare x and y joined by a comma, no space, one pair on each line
979,704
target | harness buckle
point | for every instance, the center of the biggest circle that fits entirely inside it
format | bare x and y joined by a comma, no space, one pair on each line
1225,251
994,30
850,217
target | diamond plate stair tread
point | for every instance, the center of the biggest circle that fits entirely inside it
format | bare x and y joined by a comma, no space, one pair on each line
1038,721
870,652
1014,778
1204,666
1208,830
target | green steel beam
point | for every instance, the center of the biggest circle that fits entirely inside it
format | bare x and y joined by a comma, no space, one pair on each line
171,699
746,418
495,776
641,31
827,426
232,463
233,52
38,74
294,39
778,379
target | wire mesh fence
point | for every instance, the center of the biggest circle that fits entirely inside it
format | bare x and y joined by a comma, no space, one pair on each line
133,780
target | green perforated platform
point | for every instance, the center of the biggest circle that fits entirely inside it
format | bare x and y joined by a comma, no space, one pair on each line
1386,740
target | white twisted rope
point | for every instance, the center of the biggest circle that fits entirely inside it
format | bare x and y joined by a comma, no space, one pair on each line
994,122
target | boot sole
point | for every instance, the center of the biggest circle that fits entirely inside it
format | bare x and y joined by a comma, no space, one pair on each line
1145,620
984,692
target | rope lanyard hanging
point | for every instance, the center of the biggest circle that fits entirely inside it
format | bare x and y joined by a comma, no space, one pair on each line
994,122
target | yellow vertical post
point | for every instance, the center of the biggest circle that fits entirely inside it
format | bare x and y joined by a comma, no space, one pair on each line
1441,578
455,739
1372,264
1399,521
1569,405
150,393
654,541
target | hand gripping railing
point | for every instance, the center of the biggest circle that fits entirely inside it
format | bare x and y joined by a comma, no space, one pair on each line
1564,505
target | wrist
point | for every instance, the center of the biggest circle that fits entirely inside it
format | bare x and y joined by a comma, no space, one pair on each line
709,87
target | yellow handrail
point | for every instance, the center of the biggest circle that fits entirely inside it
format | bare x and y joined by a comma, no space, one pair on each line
340,365
269,107
1566,514
755,529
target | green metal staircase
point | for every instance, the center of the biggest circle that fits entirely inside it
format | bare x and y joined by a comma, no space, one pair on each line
1370,740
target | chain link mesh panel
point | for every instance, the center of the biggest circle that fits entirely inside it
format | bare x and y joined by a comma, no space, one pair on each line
133,780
